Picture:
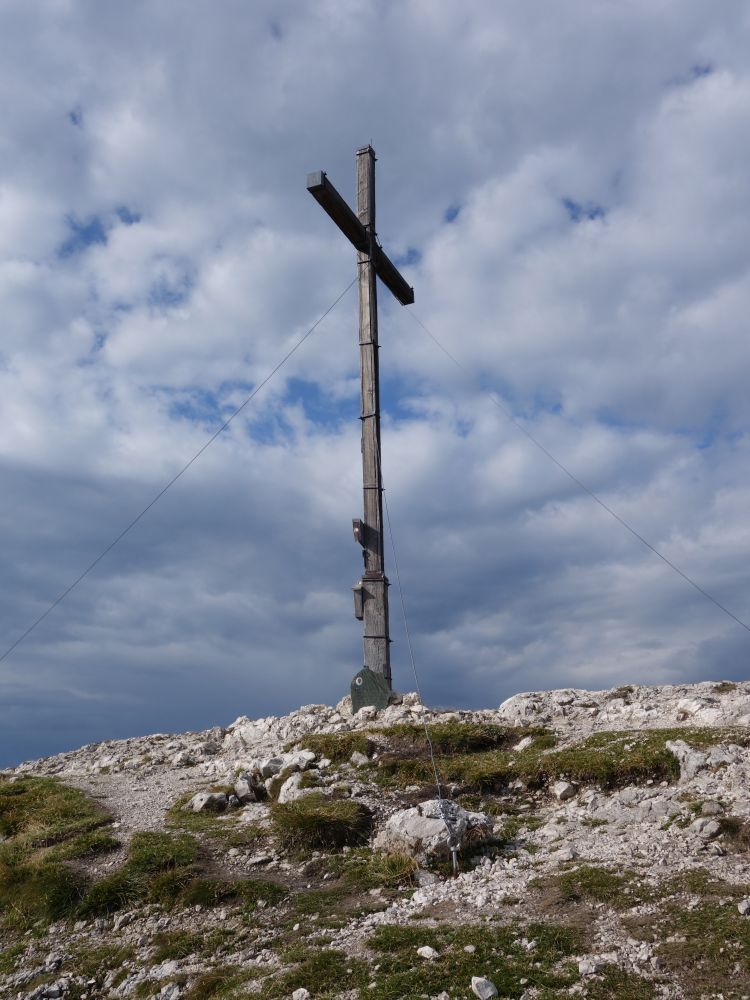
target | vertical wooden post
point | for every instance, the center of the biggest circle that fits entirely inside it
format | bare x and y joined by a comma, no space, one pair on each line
376,639
371,592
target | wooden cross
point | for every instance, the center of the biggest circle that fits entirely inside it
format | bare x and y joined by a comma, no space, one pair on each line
371,592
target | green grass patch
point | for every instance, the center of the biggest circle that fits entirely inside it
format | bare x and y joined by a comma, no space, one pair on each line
36,891
620,890
39,812
338,747
96,962
332,907
317,822
218,983
45,824
165,868
514,825
158,868
154,851
323,971
449,738
9,957
607,759
212,823
176,945
409,740
228,827
321,901
736,832
709,950
85,845
216,892
499,956
615,982
724,687
368,869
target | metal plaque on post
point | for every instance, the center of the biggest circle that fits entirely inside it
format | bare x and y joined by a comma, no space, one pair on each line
369,688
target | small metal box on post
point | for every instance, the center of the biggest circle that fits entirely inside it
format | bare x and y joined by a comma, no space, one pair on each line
371,591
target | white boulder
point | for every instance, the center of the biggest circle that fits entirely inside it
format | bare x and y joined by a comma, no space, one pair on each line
483,988
207,802
423,831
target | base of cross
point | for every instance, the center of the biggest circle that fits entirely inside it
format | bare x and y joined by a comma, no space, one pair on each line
369,688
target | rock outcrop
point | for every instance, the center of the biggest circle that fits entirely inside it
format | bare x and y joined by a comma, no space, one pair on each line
618,820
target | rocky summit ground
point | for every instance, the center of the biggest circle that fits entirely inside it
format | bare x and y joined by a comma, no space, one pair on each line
604,853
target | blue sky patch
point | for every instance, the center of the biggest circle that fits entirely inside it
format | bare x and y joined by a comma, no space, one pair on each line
700,70
75,117
173,285
578,211
328,412
411,258
196,405
127,217
451,213
82,236
320,407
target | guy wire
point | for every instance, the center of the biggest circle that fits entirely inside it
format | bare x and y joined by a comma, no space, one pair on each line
452,844
519,426
61,597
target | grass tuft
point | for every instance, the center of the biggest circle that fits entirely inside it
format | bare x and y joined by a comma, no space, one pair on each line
32,891
158,868
368,869
724,687
601,885
454,737
338,747
317,822
96,962
45,824
223,982
9,957
325,970
154,851
736,832
39,812
175,945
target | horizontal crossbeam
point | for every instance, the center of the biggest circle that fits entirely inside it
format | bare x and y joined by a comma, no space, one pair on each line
334,205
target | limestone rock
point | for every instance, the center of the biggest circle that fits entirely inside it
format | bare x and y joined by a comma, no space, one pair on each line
691,761
564,790
427,953
706,828
483,988
207,802
270,767
590,966
244,790
292,789
422,832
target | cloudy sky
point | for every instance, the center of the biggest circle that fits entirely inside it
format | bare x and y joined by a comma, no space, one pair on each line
566,187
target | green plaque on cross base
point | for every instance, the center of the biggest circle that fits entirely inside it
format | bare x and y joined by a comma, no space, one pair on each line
369,688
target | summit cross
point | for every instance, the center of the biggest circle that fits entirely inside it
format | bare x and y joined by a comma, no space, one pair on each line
371,592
